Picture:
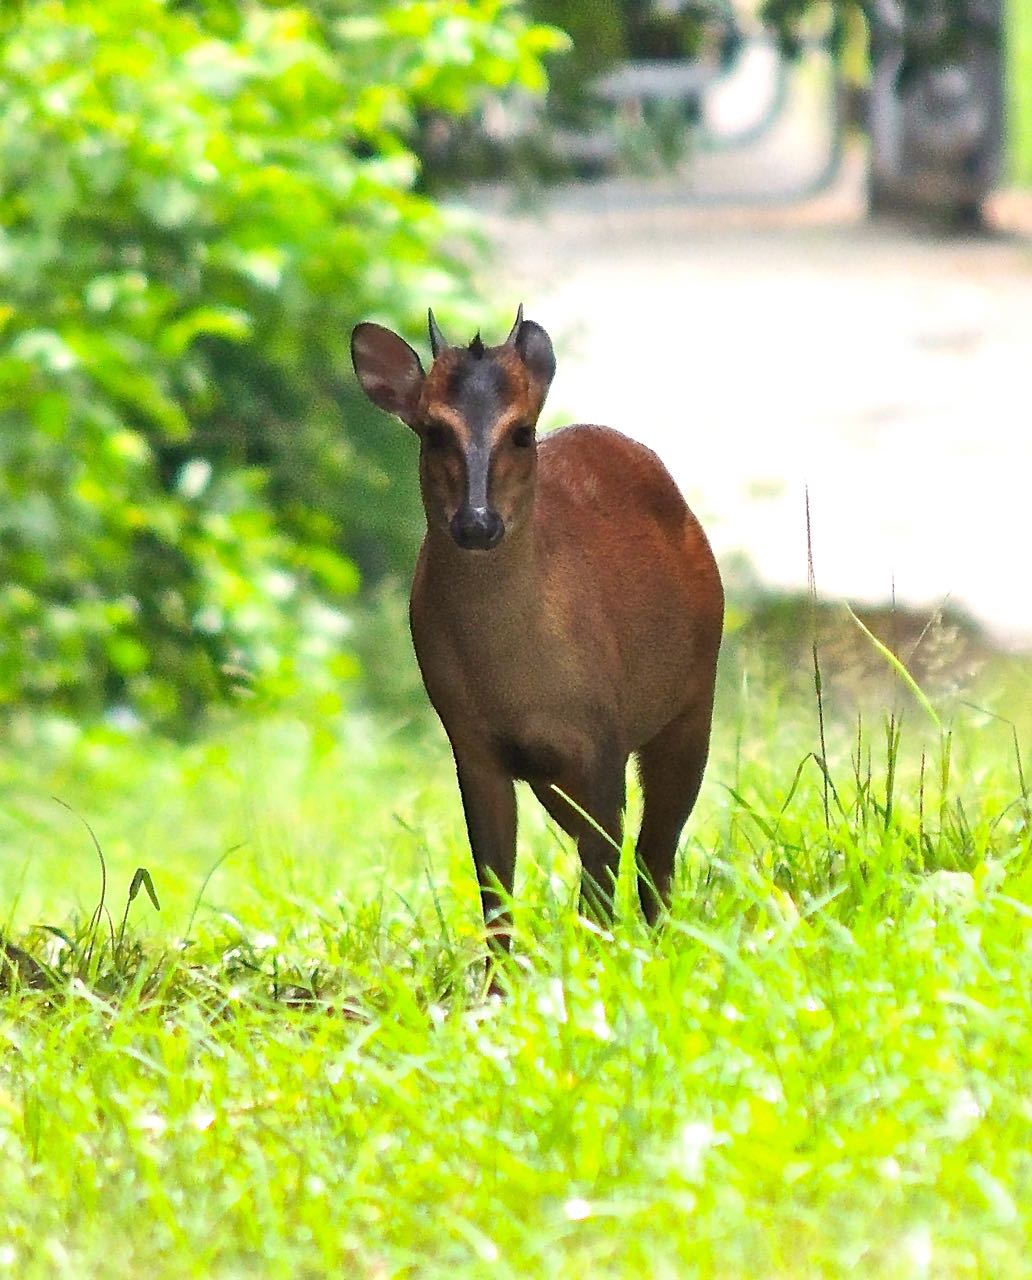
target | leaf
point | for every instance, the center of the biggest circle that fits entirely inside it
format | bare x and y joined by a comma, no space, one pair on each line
142,878
231,323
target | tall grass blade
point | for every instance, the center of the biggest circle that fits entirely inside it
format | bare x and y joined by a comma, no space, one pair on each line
98,913
900,670
204,885
811,580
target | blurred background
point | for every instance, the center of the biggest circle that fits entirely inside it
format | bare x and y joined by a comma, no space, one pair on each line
788,245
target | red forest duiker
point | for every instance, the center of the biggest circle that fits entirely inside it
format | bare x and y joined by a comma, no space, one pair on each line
566,610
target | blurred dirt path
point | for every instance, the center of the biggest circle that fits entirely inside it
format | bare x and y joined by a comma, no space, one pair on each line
760,351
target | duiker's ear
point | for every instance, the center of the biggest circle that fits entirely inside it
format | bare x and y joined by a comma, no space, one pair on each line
388,369
535,350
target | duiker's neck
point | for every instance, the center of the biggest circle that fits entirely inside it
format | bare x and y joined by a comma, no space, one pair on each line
475,579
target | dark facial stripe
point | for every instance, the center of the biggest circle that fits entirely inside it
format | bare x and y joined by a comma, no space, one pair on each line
479,392
478,467
478,387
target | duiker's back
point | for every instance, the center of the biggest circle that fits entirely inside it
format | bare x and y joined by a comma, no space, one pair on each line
625,548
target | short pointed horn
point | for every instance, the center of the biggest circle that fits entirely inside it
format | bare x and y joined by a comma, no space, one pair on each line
438,341
511,339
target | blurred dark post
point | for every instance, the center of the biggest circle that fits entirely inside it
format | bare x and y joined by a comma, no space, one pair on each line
936,107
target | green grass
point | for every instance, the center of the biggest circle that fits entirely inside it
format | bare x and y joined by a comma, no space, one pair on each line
819,1066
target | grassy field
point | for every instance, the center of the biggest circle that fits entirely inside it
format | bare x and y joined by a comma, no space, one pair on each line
819,1066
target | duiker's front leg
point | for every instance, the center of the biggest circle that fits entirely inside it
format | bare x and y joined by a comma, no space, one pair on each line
599,841
600,793
489,803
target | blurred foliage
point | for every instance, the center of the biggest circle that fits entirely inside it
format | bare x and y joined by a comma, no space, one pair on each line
197,201
519,140
599,39
609,31
1019,49
925,33
588,129
928,32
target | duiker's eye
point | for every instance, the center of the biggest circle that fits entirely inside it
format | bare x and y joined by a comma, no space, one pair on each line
436,437
523,437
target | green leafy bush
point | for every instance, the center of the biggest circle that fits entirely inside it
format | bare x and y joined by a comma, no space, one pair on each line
197,201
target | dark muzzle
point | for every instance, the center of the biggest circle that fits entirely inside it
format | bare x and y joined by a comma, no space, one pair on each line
477,528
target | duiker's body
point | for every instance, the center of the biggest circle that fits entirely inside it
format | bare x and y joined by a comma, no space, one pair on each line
566,609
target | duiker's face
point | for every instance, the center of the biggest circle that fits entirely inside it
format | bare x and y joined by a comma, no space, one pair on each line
477,461
475,413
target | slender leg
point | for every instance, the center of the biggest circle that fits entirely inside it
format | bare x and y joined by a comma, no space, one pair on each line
489,803
600,849
561,813
600,793
671,767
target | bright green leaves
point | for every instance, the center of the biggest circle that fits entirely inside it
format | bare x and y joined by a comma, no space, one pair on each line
197,202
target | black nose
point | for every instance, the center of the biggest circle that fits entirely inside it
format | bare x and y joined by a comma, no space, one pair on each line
477,528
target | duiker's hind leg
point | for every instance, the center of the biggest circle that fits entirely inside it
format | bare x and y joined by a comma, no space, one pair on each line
670,766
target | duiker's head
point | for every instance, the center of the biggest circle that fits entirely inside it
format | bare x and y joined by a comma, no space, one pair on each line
475,413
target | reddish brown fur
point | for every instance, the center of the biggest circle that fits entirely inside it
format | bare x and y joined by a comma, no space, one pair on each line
588,634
